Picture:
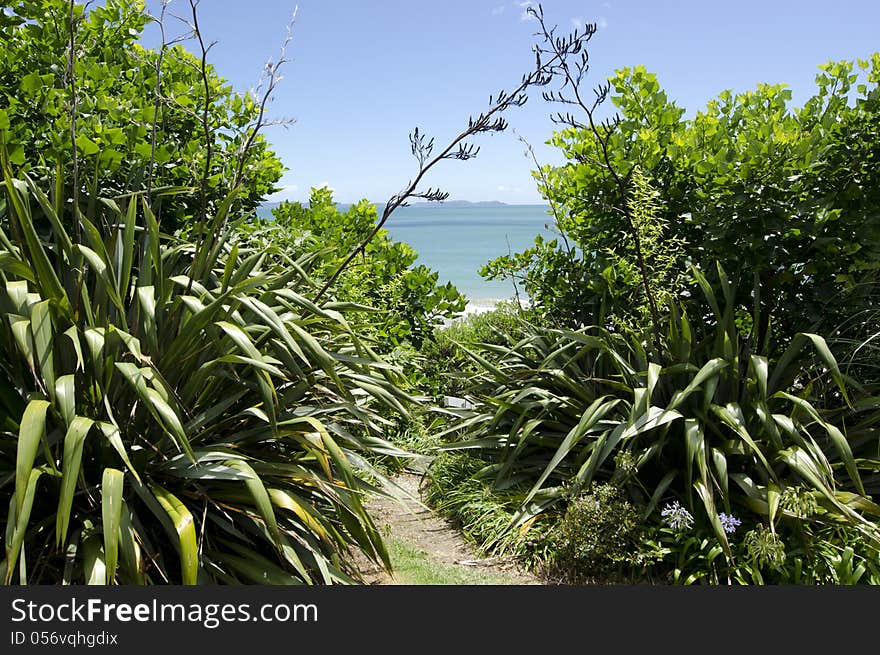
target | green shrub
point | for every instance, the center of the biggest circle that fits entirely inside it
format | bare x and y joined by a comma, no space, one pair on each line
458,488
399,301
445,368
448,472
598,537
785,194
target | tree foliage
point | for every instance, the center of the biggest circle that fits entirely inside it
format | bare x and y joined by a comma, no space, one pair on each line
123,91
385,277
787,195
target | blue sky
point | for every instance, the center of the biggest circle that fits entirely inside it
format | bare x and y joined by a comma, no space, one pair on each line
362,74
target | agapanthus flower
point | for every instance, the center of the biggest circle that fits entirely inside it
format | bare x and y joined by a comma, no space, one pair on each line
729,523
676,516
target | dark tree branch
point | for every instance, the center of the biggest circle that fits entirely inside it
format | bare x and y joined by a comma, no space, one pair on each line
564,48
553,206
205,118
458,148
272,76
157,92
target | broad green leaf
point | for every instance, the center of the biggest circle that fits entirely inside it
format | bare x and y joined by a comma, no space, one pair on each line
784,372
111,516
147,306
129,548
94,568
72,334
285,500
839,440
70,468
759,369
19,516
714,519
731,415
65,397
157,405
695,446
773,498
186,532
102,270
709,370
594,413
659,491
87,146
719,461
255,569
654,418
59,232
127,246
49,285
31,433
260,496
111,433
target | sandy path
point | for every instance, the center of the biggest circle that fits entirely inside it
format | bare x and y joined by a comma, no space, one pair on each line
420,528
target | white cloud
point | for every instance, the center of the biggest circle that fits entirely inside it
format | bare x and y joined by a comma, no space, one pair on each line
286,192
503,188
525,15
497,11
324,185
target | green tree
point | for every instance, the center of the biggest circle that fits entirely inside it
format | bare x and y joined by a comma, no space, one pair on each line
786,195
123,92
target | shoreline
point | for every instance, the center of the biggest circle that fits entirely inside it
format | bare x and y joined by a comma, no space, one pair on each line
480,305
473,306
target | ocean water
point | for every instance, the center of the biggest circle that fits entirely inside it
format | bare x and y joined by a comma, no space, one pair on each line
457,240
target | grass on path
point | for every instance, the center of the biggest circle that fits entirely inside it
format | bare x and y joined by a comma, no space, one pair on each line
413,566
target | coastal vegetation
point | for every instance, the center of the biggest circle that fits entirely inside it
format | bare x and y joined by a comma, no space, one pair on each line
190,394
691,396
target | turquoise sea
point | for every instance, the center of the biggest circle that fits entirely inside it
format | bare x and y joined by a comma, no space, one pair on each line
456,240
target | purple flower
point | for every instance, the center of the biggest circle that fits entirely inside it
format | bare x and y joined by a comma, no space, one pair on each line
729,523
676,516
